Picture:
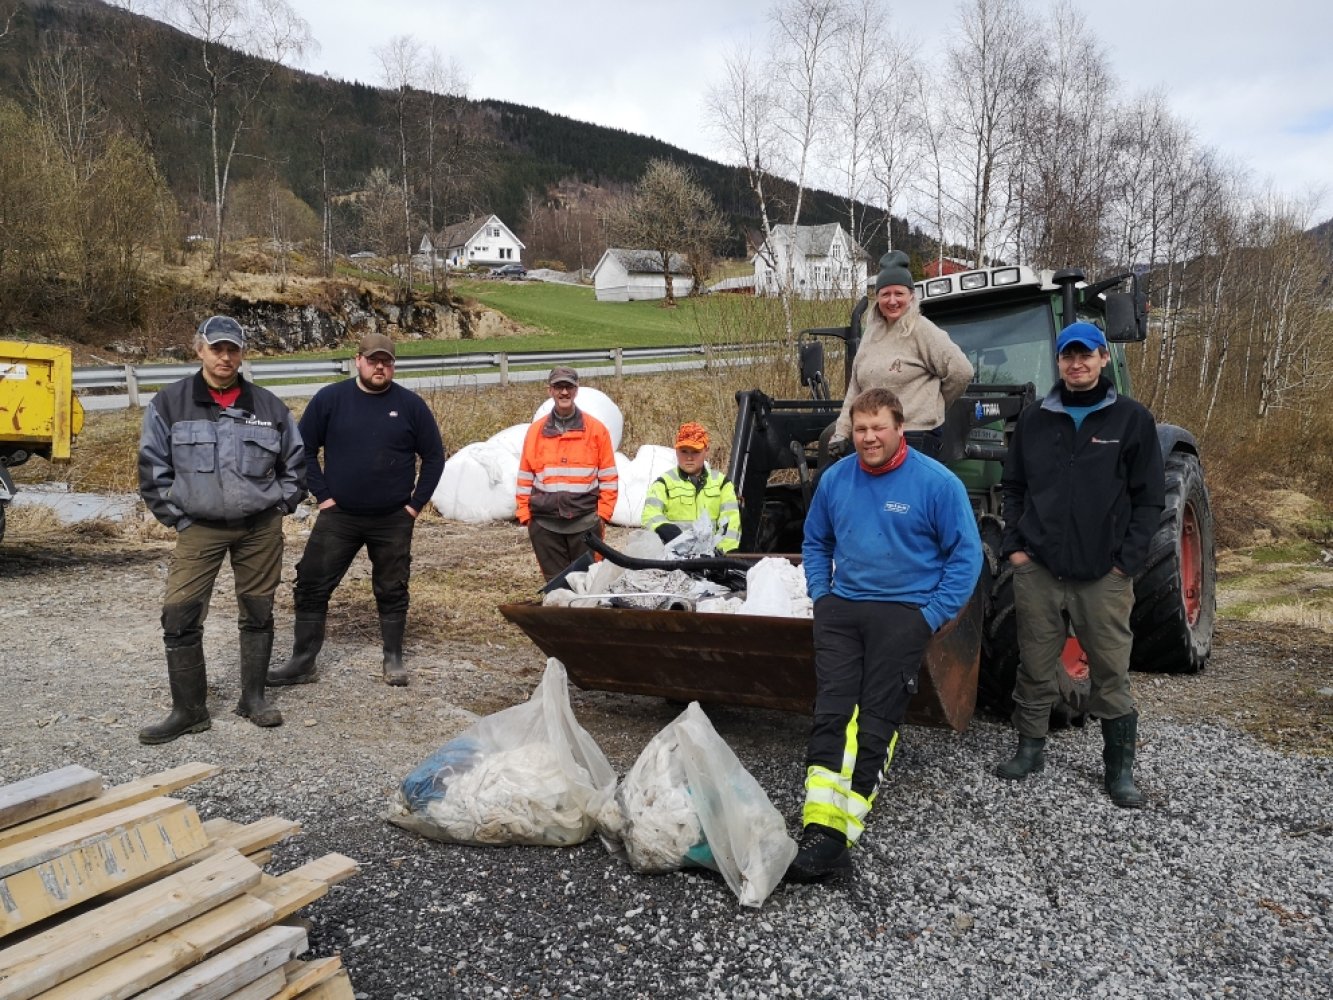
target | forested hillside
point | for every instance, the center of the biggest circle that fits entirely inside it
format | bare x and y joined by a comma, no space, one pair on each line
323,138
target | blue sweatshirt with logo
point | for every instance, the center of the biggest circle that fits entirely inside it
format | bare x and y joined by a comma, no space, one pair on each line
907,536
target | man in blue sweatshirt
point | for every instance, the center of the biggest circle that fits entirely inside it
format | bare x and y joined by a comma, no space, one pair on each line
891,554
371,432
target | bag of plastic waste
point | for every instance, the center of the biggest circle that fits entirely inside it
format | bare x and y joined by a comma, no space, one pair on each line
529,774
688,801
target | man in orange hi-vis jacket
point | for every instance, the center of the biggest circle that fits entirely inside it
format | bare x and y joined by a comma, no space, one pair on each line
567,481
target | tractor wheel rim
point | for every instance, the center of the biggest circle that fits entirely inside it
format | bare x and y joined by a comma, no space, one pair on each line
1191,565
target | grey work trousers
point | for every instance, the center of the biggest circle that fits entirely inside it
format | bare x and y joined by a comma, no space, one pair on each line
1099,612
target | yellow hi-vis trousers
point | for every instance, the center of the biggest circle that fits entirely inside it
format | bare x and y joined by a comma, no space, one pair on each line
829,799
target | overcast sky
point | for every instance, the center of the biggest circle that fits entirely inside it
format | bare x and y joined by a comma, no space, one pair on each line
1255,80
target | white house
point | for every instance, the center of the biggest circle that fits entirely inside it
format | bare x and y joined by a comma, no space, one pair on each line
483,240
631,275
825,263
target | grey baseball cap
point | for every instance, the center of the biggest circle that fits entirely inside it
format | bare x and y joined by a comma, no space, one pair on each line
217,329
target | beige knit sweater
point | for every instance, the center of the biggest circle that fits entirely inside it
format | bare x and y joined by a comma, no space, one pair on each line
916,360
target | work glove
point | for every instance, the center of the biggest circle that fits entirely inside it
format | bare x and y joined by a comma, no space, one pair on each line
719,553
667,532
839,448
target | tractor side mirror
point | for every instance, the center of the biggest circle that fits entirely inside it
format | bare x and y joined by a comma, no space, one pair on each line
812,363
1126,318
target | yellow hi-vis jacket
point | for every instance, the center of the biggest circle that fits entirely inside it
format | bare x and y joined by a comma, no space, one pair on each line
673,498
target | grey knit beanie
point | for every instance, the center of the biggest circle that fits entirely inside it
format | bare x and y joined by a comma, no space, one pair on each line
893,270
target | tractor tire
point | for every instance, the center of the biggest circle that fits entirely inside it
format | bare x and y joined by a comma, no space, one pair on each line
2,521
999,634
1175,602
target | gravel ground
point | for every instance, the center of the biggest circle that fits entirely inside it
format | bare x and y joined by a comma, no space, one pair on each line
963,887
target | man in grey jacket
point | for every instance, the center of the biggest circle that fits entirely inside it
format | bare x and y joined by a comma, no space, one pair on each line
220,460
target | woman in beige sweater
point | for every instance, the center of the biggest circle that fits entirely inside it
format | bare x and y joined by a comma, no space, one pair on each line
906,353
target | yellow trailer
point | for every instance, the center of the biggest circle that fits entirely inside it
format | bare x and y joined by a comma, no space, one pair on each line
39,414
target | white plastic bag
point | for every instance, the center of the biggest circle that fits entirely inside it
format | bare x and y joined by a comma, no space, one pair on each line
688,801
529,774
776,588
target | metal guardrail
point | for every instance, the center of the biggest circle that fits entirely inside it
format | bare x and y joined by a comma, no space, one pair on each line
130,379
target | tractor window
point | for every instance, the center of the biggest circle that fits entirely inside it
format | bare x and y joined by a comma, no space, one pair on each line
1008,345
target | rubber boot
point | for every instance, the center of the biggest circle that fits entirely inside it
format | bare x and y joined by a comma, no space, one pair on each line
188,680
1030,759
391,630
256,647
823,853
307,641
1119,741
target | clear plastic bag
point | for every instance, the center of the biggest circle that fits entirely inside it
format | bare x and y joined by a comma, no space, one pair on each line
689,801
529,774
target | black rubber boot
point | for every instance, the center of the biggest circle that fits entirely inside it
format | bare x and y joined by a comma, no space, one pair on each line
188,680
256,648
1030,759
391,630
1119,741
823,853
307,641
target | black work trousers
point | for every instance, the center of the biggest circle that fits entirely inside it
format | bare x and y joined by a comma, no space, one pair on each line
334,542
867,657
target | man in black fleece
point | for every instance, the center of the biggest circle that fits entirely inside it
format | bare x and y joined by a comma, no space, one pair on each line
1083,492
371,432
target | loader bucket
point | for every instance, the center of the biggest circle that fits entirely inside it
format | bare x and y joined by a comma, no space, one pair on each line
736,659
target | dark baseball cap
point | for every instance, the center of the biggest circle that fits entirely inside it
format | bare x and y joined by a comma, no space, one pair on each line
377,343
562,373
217,329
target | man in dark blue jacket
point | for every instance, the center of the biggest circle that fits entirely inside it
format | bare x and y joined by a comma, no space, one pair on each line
221,462
1083,491
891,554
371,432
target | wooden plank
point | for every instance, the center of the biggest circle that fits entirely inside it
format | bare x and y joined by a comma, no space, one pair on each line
179,948
260,834
45,793
250,839
238,966
76,945
31,853
338,987
288,893
94,865
300,976
116,797
219,826
264,988
331,869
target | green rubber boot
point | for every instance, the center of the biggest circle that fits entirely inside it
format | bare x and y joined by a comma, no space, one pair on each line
1030,759
1119,741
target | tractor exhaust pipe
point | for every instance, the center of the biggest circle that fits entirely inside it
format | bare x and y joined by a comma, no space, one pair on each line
1068,279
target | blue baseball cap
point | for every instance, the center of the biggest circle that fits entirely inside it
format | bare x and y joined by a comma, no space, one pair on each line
1081,333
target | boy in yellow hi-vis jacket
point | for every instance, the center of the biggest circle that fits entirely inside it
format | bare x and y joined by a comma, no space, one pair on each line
677,498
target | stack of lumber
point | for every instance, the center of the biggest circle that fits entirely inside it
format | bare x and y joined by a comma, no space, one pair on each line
125,892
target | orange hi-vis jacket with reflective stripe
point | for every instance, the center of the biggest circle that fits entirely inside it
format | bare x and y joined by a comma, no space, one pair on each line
567,475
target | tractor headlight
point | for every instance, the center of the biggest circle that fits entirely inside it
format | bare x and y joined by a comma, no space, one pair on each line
969,282
1004,276
940,286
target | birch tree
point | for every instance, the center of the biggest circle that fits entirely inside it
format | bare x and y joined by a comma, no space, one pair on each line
993,67
400,68
742,112
239,45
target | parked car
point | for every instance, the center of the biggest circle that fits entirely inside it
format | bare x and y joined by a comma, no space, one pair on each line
509,271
